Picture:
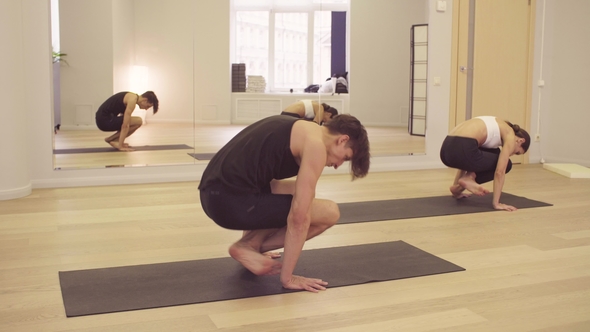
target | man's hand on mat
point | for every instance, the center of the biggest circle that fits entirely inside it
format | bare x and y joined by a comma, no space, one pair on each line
308,284
506,207
126,147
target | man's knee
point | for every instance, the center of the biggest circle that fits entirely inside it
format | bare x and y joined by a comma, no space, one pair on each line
333,214
325,213
136,121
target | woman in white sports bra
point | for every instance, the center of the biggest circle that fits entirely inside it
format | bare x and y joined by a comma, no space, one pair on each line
480,148
311,110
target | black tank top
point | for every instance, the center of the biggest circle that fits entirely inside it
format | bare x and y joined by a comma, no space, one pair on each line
113,106
254,157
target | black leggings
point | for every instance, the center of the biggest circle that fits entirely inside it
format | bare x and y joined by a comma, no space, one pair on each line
464,153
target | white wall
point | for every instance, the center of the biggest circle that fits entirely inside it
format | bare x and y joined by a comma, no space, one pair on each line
87,39
380,58
123,44
164,44
560,109
212,85
14,178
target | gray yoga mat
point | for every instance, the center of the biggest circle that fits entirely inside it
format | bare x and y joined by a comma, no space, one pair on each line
202,156
111,149
426,207
105,290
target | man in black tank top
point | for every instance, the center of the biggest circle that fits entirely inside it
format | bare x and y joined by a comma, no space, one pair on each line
246,186
115,115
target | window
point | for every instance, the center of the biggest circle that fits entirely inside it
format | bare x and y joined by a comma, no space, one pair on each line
289,43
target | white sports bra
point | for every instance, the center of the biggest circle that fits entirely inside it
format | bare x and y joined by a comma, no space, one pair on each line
494,140
309,113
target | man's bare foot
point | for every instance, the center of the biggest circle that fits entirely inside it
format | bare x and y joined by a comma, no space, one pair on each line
272,254
469,183
253,260
458,191
113,144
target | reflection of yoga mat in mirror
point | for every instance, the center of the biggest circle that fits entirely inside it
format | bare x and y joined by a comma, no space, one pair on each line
96,291
136,148
202,156
426,207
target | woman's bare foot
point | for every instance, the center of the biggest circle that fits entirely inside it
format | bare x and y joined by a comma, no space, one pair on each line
458,191
468,182
253,260
113,144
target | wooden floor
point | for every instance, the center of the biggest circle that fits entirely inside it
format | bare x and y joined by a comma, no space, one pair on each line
203,138
527,270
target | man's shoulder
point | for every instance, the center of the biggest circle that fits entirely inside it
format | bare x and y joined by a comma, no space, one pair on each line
128,96
302,124
306,133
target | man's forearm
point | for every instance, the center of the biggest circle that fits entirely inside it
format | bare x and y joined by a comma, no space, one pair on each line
123,135
294,240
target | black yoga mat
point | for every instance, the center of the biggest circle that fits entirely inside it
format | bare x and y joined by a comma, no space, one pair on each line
97,291
111,149
426,207
202,156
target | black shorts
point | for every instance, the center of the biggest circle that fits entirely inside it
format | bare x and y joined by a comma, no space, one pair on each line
245,211
109,122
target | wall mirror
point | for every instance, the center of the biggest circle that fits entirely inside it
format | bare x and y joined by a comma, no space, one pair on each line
139,45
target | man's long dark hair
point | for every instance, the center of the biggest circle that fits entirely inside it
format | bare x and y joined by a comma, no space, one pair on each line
152,99
346,124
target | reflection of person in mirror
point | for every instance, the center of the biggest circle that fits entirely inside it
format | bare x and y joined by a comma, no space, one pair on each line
311,110
115,115
480,148
246,186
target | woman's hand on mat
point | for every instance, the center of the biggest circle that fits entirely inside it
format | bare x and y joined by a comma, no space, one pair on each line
308,284
506,207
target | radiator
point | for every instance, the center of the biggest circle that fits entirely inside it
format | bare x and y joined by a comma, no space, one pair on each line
249,110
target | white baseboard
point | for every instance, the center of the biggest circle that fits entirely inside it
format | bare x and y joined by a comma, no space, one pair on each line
78,127
92,181
16,193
